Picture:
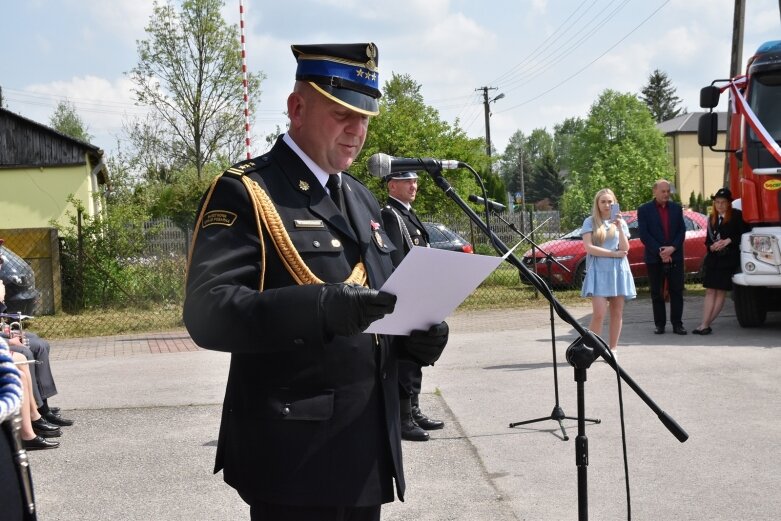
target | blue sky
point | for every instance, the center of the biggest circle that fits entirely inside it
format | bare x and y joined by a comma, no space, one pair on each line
550,58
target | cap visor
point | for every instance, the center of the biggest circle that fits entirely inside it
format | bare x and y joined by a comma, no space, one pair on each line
351,99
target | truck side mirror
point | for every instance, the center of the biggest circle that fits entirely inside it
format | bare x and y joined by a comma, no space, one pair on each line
709,97
707,128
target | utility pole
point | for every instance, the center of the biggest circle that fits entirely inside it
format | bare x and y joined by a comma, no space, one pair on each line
736,62
486,103
523,194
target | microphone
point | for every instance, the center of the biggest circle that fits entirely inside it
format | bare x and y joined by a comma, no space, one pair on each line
381,165
492,205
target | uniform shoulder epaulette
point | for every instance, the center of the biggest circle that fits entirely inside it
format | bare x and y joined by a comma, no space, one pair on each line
248,165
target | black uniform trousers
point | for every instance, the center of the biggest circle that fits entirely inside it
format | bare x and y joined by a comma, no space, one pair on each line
658,272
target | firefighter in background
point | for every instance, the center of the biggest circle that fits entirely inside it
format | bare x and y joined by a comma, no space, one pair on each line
405,231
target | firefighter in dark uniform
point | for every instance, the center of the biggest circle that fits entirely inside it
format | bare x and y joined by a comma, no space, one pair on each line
287,255
406,231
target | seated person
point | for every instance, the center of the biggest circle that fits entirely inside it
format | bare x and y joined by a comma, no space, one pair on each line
34,347
35,430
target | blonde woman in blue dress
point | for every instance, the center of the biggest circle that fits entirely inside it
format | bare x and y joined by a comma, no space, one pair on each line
608,280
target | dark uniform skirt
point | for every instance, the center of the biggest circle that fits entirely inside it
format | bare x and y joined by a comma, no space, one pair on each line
717,275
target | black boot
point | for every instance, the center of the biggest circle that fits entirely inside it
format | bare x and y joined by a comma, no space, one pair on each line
409,429
423,421
53,417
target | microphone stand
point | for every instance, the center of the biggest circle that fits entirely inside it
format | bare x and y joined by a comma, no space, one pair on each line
580,354
557,414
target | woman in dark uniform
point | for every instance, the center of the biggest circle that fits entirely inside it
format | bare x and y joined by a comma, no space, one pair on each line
725,226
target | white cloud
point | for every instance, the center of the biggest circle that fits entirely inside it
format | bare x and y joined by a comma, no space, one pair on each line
124,20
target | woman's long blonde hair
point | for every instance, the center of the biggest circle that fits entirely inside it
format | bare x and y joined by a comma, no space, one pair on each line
599,234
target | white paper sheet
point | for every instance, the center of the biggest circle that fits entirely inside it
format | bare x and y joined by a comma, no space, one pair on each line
429,284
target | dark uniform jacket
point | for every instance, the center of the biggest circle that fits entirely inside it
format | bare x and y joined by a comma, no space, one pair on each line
404,229
729,257
652,233
306,420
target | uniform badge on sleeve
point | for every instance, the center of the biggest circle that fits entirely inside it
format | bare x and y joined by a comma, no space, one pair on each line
218,217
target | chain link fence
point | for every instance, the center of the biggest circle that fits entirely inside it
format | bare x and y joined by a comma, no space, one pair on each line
81,286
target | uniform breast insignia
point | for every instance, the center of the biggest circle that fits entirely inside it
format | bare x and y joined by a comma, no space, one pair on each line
309,224
218,217
303,185
377,237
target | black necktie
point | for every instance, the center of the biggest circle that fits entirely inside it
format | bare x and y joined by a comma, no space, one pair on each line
334,186
720,219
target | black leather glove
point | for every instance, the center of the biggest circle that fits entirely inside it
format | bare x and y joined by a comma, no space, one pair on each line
426,346
348,309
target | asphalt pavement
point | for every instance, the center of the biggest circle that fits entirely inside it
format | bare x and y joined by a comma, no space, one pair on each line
147,409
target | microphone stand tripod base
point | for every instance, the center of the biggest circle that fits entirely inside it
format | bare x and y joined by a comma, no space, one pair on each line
558,413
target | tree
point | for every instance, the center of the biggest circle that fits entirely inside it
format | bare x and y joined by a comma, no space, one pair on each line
407,127
544,181
563,135
620,148
659,96
189,72
536,151
67,121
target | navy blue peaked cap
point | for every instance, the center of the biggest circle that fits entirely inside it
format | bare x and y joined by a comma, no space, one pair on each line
346,73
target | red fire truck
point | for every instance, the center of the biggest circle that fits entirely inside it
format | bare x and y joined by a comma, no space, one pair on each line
754,176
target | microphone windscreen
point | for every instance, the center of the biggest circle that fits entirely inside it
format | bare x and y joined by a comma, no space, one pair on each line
380,165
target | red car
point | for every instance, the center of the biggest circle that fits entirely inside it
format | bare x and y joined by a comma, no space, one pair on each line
569,251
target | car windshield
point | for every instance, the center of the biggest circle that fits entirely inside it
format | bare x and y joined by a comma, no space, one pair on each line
435,234
574,234
631,222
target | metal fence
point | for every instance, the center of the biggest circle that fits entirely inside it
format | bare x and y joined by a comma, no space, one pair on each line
75,287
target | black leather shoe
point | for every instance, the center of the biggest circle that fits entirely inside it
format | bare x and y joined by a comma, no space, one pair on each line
659,330
54,410
56,419
679,330
411,431
46,429
424,422
39,443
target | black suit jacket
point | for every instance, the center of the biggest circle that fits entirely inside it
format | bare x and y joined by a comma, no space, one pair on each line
306,420
405,231
652,233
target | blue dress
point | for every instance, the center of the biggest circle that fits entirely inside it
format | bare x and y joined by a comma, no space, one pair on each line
607,276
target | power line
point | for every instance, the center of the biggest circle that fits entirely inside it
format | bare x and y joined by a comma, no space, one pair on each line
590,63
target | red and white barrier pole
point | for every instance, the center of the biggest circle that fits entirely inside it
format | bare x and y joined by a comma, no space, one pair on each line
244,81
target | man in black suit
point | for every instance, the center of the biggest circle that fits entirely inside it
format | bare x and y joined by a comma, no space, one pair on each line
286,252
663,231
407,231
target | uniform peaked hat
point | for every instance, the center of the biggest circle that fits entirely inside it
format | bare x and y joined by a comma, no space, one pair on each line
400,175
723,193
346,73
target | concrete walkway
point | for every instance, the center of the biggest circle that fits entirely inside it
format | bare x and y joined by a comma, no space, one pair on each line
147,410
